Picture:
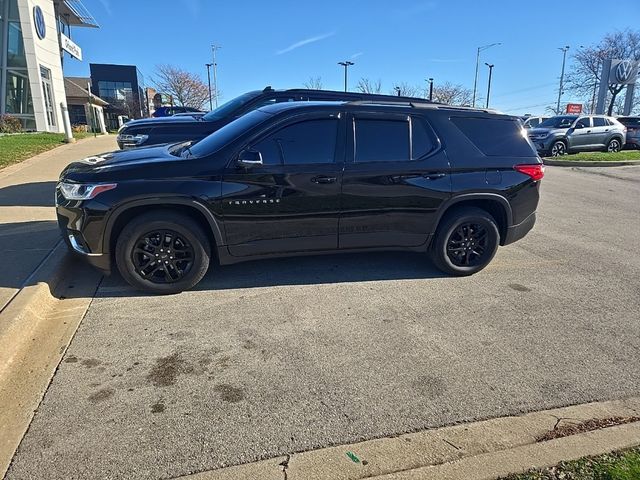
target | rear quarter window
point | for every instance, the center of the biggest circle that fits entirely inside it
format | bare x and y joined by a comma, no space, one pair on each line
496,137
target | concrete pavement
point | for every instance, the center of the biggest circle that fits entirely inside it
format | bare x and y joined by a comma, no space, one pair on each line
273,357
28,228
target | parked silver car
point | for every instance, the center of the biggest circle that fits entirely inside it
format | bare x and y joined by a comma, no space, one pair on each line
633,131
577,133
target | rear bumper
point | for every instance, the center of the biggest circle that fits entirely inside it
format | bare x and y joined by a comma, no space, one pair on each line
516,232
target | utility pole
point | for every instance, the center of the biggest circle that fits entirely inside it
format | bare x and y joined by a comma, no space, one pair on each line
214,48
346,64
209,65
475,82
431,89
564,58
490,65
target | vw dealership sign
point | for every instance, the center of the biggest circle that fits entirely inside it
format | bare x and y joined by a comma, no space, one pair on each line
623,72
38,20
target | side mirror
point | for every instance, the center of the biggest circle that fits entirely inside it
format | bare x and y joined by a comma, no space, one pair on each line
249,158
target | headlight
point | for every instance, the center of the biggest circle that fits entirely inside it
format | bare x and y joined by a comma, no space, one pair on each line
84,191
134,139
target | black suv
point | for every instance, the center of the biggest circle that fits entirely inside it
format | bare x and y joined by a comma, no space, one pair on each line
306,178
156,131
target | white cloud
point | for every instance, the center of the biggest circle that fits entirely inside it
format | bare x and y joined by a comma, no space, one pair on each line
356,55
304,42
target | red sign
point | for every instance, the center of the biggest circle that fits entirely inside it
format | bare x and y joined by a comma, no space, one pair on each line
574,108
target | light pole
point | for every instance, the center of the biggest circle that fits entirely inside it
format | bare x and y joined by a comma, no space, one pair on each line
346,64
398,90
564,58
490,65
475,81
431,89
209,65
214,48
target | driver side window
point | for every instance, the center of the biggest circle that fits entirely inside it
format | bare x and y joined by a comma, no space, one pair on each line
583,122
307,142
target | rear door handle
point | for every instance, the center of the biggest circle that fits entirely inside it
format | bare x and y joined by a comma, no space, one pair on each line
323,179
434,175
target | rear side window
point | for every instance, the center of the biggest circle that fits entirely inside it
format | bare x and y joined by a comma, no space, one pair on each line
422,140
381,140
312,141
600,122
495,136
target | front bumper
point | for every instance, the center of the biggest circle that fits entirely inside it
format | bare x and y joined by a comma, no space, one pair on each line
516,232
101,261
543,144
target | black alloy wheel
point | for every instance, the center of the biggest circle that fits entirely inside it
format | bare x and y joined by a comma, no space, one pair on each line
162,256
466,241
558,149
163,252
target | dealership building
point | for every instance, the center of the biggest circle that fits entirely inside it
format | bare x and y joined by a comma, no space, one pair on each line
35,40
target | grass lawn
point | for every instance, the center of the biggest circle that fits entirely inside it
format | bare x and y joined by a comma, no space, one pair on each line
16,148
601,156
612,466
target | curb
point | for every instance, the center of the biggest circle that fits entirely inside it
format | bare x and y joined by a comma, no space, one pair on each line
474,451
577,163
20,321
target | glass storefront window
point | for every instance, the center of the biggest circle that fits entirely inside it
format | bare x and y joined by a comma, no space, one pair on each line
18,99
15,47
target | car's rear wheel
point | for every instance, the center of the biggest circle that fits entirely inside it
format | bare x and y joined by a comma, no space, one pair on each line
465,242
162,252
614,145
558,149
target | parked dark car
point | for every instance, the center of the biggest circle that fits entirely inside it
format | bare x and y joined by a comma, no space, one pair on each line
633,131
301,178
148,131
170,111
563,134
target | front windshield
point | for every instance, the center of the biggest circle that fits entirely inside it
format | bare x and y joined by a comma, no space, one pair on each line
562,121
228,133
227,108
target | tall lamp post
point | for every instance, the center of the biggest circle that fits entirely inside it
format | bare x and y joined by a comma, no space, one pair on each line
209,65
346,64
475,81
215,48
490,65
564,58
430,80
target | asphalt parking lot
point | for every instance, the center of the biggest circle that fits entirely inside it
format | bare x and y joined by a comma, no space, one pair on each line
279,356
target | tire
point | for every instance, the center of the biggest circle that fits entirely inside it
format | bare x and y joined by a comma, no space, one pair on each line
558,149
148,240
450,247
614,145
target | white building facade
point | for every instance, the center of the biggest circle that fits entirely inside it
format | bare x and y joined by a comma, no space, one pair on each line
34,35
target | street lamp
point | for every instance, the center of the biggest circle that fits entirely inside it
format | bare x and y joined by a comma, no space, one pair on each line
430,80
398,90
346,64
209,65
564,58
490,65
475,82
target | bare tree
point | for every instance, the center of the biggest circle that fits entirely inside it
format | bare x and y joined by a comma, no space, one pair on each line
186,88
369,86
314,83
584,76
452,94
403,89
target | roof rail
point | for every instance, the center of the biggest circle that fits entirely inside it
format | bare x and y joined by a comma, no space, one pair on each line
421,104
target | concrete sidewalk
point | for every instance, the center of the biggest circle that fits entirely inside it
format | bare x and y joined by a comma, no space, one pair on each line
28,230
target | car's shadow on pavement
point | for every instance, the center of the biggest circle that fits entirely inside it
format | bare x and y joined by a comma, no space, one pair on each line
313,270
36,194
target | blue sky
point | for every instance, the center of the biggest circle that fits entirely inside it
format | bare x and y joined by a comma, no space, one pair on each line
283,43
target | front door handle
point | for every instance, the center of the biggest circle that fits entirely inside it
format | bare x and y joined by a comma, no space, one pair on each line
323,179
433,175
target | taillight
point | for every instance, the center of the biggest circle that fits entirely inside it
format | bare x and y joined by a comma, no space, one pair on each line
535,171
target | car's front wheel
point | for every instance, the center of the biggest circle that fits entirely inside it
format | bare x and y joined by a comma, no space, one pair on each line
614,145
465,242
162,252
558,149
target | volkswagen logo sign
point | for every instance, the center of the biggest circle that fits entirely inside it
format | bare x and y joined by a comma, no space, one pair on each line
624,71
38,20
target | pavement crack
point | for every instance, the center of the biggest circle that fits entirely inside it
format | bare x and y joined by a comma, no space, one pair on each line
285,464
449,443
